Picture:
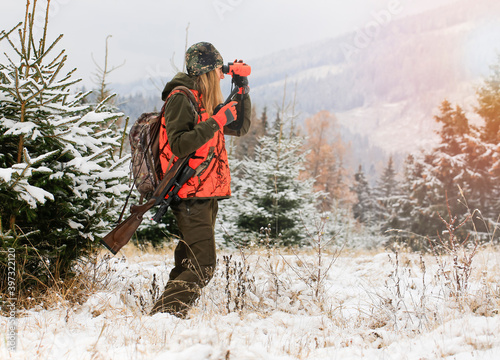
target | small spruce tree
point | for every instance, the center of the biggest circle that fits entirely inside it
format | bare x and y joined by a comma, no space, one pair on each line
366,209
61,174
388,195
268,192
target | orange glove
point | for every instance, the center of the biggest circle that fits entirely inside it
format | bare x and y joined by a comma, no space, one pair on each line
226,115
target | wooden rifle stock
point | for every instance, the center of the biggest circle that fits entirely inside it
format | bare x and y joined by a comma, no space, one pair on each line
122,233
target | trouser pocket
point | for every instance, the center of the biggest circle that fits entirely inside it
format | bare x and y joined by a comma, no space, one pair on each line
196,222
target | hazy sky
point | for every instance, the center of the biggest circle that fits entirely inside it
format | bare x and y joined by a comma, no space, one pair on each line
147,33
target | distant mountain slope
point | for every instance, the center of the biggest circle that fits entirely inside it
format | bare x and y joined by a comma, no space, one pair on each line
387,91
391,87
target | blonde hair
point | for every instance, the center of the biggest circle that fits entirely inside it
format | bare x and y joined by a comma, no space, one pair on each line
209,88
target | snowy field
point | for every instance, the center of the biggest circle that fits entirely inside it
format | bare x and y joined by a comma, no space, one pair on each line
276,305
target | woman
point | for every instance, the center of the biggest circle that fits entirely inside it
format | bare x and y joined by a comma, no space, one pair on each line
187,129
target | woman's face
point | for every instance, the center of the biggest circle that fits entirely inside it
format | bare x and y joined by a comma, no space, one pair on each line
220,73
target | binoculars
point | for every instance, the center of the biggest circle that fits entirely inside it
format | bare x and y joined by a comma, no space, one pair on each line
236,68
239,72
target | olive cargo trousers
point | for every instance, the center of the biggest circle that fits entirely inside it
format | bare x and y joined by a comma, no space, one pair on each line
195,257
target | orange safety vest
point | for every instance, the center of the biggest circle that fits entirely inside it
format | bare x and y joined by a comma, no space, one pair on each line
214,179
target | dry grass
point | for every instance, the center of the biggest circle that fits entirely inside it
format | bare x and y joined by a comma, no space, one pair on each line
256,280
371,299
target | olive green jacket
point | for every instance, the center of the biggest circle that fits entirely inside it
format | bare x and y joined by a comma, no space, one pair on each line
185,134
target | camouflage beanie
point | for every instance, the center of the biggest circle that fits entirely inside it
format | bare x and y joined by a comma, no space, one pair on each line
201,58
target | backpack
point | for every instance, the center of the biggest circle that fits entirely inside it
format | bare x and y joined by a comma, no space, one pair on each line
144,140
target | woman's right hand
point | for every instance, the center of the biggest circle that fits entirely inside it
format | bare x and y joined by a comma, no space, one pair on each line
226,115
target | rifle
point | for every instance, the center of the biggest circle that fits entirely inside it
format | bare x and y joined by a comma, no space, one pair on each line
165,193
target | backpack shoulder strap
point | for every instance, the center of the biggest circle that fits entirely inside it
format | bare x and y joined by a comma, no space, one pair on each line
187,92
192,99
195,106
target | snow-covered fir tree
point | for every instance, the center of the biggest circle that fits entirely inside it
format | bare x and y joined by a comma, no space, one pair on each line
488,96
455,171
365,209
61,173
412,207
269,198
387,185
455,174
388,195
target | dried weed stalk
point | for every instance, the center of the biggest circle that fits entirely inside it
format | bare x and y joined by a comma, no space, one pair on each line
460,253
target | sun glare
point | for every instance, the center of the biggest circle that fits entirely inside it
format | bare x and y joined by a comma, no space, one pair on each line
481,48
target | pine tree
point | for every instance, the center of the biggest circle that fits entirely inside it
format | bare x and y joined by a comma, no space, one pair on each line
267,192
488,108
453,174
462,171
60,172
460,164
488,97
388,195
365,210
413,207
387,184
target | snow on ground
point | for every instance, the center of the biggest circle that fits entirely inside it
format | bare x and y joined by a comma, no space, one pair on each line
271,305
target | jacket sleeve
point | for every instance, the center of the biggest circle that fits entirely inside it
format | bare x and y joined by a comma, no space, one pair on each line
185,134
241,125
